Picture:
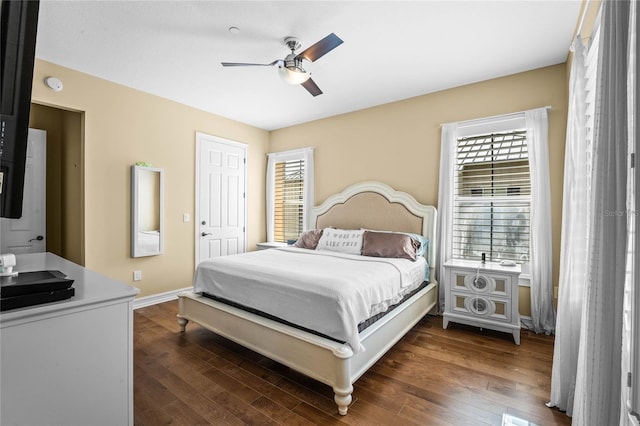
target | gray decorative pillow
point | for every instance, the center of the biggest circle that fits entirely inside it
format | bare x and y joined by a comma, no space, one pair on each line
309,239
388,244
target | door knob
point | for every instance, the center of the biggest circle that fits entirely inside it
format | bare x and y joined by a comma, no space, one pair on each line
204,234
38,238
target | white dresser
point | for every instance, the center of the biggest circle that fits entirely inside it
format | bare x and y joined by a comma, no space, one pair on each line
69,362
482,295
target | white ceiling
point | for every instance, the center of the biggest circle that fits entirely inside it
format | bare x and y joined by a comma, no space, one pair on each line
392,50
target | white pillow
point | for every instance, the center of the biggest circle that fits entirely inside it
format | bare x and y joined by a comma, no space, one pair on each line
341,240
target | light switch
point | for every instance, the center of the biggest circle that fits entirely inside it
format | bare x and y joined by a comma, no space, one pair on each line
186,217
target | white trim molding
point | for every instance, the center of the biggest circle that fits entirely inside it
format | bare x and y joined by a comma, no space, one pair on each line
273,158
154,299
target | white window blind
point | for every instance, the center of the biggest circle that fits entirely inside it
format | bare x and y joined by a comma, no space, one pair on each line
492,197
289,199
289,193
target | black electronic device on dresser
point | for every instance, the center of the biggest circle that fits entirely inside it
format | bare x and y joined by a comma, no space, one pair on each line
34,288
19,24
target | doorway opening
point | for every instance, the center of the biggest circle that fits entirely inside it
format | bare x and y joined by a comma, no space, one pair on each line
64,179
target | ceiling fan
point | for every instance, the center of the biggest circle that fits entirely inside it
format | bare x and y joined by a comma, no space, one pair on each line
290,68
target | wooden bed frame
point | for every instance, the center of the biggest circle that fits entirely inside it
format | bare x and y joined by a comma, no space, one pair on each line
370,205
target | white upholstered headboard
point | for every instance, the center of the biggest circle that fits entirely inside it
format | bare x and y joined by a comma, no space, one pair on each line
375,205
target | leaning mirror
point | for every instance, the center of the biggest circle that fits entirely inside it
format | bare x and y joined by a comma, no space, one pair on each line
146,211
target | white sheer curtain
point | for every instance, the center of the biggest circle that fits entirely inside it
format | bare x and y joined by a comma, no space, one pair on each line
597,400
573,252
543,316
598,376
448,146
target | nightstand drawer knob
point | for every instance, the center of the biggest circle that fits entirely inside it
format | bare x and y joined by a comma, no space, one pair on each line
479,305
479,283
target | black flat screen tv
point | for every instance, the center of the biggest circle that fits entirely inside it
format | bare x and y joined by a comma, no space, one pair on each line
18,41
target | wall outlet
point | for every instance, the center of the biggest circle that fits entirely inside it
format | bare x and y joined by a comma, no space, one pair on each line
137,275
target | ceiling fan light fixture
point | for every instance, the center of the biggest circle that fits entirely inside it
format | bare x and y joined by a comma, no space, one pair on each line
293,75
290,68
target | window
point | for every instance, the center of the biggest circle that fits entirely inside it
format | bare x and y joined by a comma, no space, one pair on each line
492,197
289,200
289,193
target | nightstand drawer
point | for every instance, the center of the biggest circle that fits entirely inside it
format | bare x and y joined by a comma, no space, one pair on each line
479,305
480,283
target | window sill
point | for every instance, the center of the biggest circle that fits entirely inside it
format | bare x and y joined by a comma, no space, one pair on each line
525,280
268,245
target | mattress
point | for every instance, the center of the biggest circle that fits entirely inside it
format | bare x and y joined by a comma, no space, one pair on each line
361,327
324,291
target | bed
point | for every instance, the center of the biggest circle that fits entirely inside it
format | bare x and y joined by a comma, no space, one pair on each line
367,205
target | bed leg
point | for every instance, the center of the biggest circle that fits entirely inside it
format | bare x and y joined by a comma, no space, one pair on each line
342,397
182,322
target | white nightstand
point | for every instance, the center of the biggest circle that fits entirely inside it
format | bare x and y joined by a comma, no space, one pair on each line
273,244
485,297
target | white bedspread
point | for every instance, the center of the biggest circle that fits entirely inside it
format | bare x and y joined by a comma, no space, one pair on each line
324,291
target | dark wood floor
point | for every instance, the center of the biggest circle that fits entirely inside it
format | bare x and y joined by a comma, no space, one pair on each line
458,376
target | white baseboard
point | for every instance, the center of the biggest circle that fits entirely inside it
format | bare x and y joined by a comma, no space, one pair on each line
154,299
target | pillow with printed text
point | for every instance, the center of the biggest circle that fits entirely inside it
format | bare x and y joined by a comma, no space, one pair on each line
341,240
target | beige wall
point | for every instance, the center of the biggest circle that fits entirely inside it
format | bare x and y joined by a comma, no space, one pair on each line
396,143
399,143
120,126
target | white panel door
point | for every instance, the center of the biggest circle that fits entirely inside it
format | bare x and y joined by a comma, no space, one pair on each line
221,176
27,234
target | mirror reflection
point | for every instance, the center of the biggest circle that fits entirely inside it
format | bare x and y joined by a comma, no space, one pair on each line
146,202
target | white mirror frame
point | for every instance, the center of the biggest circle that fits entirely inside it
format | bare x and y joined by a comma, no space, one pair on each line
146,242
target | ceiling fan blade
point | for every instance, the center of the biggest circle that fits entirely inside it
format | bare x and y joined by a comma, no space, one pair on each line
245,64
312,87
321,48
